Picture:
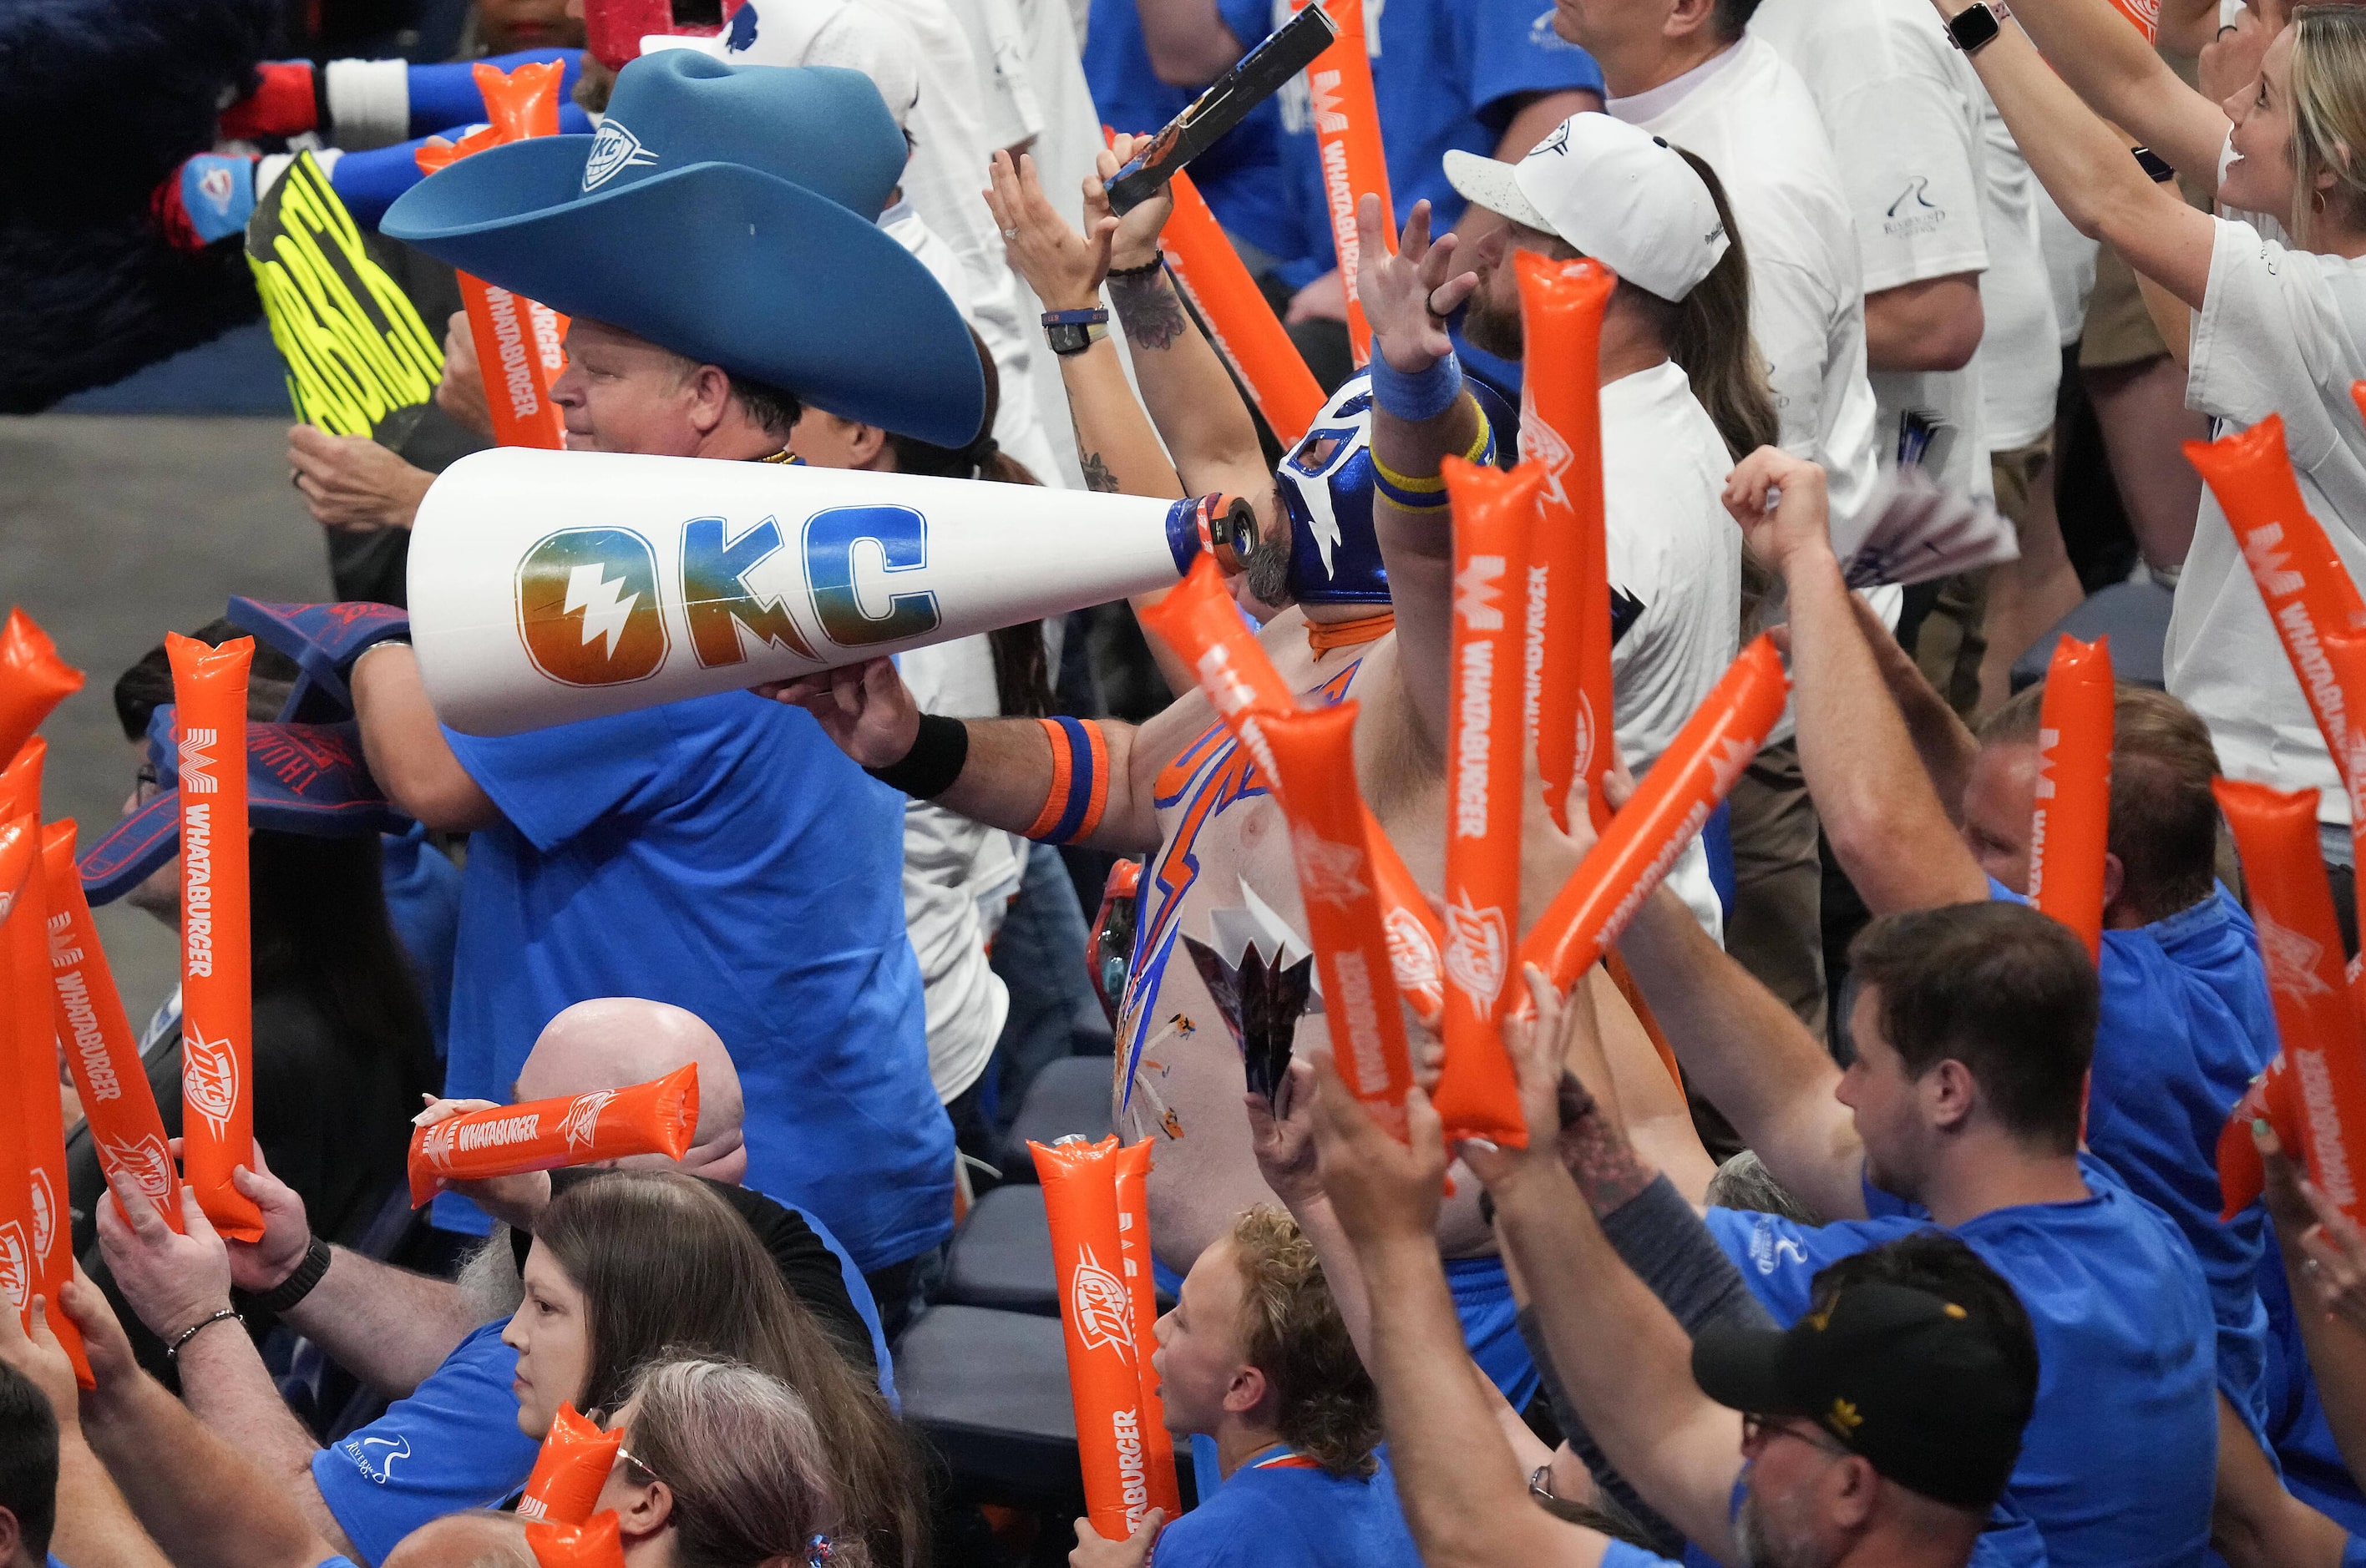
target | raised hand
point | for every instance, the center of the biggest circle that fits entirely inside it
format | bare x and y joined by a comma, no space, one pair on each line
260,1266
1408,296
173,1280
1065,268
1136,241
1383,1192
1283,1137
1778,500
865,709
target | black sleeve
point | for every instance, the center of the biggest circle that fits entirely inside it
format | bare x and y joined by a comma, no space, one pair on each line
1657,1234
809,1269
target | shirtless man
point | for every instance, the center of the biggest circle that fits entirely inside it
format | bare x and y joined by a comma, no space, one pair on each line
1177,790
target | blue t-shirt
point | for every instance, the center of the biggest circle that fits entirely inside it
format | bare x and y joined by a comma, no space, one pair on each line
2120,1458
452,1443
722,855
2186,1023
2006,1541
1445,76
1290,1515
423,904
1241,175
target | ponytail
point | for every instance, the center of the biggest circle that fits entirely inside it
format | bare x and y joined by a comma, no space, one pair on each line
1708,335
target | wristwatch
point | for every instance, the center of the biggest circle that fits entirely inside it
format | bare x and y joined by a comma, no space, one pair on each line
1073,331
1977,24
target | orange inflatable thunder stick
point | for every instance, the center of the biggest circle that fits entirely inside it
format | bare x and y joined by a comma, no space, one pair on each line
520,345
1675,798
216,1000
2292,904
1569,554
20,852
2275,1096
599,1543
33,680
1247,331
1486,767
2308,593
125,1127
1105,1372
1344,917
1131,1169
656,1118
28,1058
2073,823
1347,135
1199,621
570,1470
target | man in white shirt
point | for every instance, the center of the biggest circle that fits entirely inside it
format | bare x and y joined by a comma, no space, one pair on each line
1683,70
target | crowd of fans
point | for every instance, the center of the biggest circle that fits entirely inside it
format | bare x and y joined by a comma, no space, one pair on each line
1922,1261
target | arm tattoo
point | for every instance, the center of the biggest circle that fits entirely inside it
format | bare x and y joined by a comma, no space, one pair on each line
1150,309
1604,1164
1097,473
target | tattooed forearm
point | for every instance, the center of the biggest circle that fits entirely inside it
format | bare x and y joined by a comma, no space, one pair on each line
1149,309
1097,473
1604,1164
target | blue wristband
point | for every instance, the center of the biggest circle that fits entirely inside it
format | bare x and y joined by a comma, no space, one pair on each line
1420,397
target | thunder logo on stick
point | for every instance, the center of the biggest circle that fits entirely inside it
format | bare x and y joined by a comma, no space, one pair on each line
1485,773
124,1125
1105,1380
2292,904
1569,556
217,1006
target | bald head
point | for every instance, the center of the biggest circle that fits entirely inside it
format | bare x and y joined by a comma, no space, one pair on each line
615,1042
479,1539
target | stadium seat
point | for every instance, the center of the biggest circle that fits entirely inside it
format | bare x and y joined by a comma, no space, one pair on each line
1001,1257
1071,1095
2136,616
990,1391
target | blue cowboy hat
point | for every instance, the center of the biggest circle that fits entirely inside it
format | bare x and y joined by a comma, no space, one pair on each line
726,212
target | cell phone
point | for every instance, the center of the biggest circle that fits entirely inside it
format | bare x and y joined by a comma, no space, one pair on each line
1285,52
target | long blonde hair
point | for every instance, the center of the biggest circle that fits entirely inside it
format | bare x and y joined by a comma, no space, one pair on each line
2328,113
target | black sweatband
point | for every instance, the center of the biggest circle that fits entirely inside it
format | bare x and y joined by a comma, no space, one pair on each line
1143,271
295,1287
929,769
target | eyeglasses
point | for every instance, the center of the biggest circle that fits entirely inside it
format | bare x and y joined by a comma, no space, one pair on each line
638,1463
1756,1430
147,784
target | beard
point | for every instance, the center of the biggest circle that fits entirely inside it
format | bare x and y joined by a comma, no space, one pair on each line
1494,328
1767,1541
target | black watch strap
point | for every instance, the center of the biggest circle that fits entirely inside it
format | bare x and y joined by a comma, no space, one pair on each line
296,1286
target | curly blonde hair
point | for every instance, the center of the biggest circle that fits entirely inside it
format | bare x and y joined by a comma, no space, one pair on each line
1326,1408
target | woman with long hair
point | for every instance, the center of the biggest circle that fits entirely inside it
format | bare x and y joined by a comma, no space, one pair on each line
2275,280
641,1266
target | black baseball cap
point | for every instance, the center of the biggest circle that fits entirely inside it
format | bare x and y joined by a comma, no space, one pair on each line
1928,1391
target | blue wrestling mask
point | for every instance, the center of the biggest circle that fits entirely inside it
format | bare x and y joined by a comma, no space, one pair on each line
1325,484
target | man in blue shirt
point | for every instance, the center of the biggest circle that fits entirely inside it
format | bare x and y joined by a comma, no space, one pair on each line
2185,1021
1973,1029
1255,1356
1484,77
718,854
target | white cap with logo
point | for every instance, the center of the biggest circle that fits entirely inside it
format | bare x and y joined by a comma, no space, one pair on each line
1617,193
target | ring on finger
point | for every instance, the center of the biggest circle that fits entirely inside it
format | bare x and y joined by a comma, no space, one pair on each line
1010,233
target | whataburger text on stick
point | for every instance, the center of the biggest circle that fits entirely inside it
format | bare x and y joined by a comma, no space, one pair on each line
28,1058
1570,716
1247,333
1329,839
1105,1376
2292,903
656,1118
1675,798
108,1076
1486,769
216,999
1199,621
33,679
2071,828
1131,1171
519,342
1347,137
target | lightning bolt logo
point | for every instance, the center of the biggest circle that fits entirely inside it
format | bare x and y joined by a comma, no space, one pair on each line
591,590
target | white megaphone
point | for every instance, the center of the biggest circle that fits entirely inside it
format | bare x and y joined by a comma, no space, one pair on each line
551,587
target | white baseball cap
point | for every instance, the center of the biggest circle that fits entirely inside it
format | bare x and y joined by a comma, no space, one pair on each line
1615,191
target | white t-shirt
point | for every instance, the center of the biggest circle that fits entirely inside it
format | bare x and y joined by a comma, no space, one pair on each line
1675,578
2280,331
1749,114
2020,351
1006,92
2069,265
959,877
1903,112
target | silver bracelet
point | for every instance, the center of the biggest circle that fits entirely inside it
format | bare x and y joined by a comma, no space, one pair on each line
173,1350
